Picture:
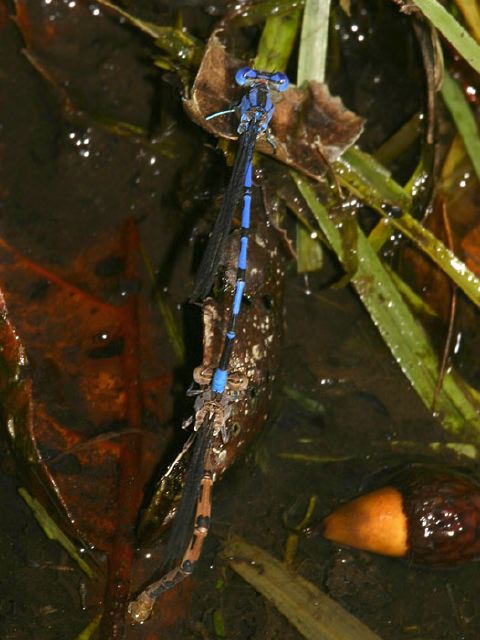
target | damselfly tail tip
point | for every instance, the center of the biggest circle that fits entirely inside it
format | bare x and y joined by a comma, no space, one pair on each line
141,608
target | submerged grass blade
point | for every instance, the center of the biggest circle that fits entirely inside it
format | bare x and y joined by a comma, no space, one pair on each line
309,610
399,142
372,183
464,119
307,403
149,28
218,624
53,532
451,31
179,44
305,457
88,632
421,308
174,336
295,531
460,449
404,336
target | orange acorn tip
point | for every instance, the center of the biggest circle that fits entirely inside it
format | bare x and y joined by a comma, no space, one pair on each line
374,522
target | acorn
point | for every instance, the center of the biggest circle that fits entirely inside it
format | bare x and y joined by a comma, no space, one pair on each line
429,515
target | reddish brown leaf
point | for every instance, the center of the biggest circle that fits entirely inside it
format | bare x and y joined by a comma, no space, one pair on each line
79,416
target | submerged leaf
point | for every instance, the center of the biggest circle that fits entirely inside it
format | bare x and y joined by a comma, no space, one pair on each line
78,426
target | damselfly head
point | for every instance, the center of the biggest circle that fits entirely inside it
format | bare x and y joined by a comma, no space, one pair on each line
247,76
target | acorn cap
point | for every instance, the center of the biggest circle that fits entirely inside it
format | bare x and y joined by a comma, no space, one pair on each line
373,522
429,513
443,513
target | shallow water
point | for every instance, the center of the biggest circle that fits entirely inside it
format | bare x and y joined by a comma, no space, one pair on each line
67,183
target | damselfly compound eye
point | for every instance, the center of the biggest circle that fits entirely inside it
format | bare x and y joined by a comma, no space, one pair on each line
244,74
280,81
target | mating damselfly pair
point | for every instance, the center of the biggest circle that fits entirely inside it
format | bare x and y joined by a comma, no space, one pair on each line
218,386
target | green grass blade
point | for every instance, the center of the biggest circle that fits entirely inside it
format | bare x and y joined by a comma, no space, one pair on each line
311,66
464,119
313,41
451,30
174,336
277,41
373,184
404,336
371,181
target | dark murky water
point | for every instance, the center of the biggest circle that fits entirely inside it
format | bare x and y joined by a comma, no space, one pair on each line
66,184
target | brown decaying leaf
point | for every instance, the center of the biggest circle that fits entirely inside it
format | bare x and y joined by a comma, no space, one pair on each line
80,419
309,126
81,351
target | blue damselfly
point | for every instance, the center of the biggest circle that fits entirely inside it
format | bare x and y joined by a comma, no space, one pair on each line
218,386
